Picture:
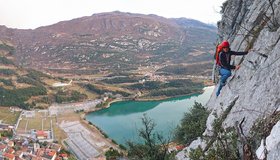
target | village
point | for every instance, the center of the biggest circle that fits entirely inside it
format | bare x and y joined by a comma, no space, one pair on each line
57,133
14,147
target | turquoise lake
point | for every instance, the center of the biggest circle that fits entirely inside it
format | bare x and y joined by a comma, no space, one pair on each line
122,120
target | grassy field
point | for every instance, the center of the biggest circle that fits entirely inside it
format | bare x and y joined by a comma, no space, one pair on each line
7,116
39,122
21,126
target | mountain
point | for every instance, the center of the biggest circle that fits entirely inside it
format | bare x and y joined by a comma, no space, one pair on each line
28,88
244,119
191,23
112,42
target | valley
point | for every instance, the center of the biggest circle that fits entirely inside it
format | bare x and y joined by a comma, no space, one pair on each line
54,75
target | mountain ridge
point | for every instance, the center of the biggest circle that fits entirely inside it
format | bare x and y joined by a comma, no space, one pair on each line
127,39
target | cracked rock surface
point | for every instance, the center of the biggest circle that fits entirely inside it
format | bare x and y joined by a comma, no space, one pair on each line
250,24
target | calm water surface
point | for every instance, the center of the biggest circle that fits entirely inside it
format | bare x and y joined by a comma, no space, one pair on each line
122,120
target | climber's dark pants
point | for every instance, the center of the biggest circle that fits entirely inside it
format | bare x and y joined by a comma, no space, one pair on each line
224,76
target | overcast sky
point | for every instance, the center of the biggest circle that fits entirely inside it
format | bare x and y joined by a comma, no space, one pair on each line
27,14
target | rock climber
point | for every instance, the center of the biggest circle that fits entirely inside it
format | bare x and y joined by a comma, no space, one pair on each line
225,66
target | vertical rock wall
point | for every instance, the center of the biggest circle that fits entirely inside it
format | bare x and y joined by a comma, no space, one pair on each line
249,24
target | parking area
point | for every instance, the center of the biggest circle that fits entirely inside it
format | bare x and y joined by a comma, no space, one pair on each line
81,141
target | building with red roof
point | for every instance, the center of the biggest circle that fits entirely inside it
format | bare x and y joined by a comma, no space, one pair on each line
10,150
41,135
3,147
9,156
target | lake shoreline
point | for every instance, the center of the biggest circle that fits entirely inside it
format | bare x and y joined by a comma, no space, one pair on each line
162,98
159,98
122,100
102,133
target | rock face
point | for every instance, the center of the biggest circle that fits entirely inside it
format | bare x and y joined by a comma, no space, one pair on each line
250,24
273,142
107,41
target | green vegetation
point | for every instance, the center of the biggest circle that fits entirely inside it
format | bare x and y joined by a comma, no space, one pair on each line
182,83
64,151
7,72
148,85
17,97
6,82
6,134
192,125
122,147
121,80
120,74
93,88
36,75
262,128
222,144
169,89
102,104
99,91
73,96
41,102
174,92
8,48
154,147
28,80
4,60
112,154
225,147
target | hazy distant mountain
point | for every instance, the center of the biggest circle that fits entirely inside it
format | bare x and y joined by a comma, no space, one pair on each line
195,24
110,41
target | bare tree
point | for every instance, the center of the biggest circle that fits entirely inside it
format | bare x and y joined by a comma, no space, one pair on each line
154,147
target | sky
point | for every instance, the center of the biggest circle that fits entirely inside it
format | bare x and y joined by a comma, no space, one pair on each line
30,14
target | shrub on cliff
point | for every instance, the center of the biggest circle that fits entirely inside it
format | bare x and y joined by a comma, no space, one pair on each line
113,154
154,146
192,125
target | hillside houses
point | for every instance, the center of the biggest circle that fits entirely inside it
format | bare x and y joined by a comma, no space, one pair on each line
26,149
5,127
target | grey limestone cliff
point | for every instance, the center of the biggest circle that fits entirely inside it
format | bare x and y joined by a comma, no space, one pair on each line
255,87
